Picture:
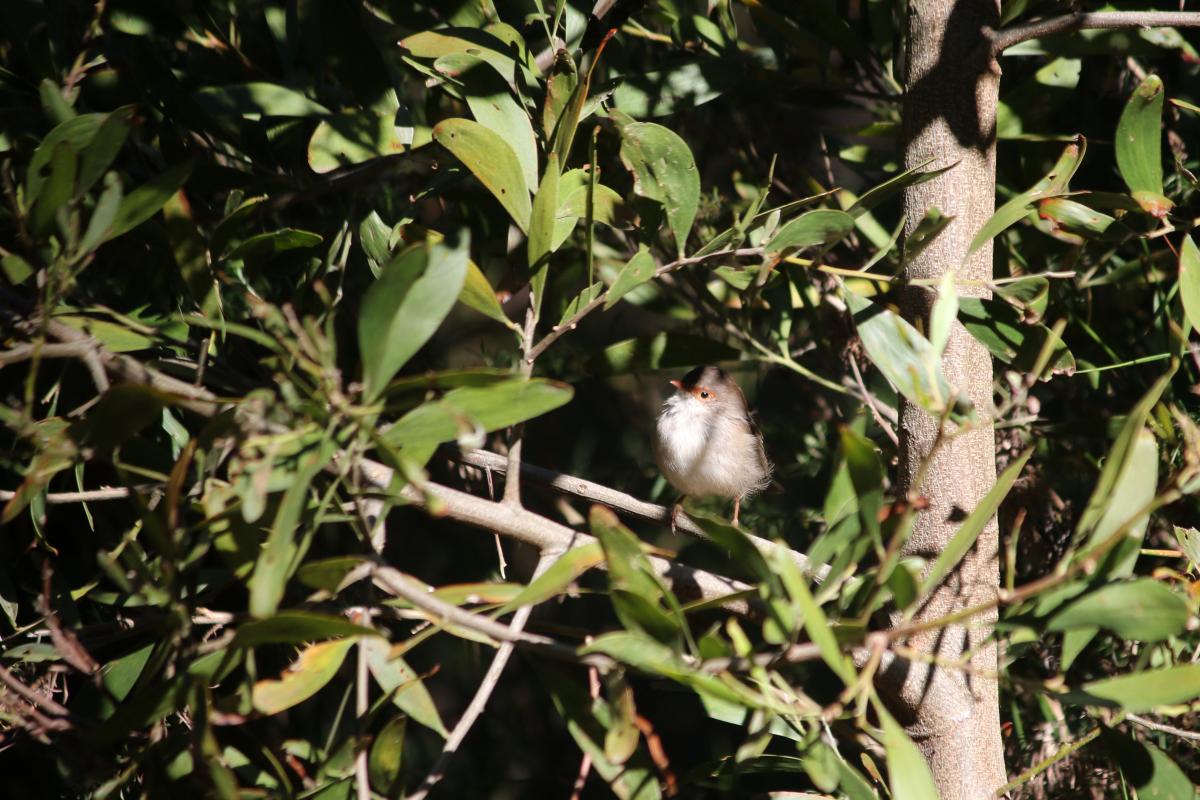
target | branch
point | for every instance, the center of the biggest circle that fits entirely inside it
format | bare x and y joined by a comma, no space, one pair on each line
516,523
482,694
1158,726
1005,38
396,583
570,324
597,493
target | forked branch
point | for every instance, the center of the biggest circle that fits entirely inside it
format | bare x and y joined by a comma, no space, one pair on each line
1005,38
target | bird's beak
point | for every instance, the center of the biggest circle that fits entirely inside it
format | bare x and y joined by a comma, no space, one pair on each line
677,384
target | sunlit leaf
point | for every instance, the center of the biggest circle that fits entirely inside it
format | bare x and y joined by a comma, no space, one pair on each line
410,693
1144,610
637,271
664,171
820,227
492,161
1139,139
1143,691
256,100
405,306
315,667
1189,281
297,627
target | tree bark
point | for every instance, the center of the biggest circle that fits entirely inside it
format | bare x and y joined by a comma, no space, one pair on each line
952,84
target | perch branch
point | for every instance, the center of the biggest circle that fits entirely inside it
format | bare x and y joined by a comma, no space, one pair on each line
619,501
1005,38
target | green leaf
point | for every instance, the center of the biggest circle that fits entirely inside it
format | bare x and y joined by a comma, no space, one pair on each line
1144,610
581,301
1117,462
664,171
637,271
902,354
1054,183
394,675
256,100
635,592
493,106
819,227
354,137
315,667
1189,281
1132,491
148,199
103,216
908,774
1000,328
387,755
1146,768
541,232
1189,543
492,161
403,309
633,780
893,186
282,550
481,44
966,535
100,151
76,132
945,309
58,189
1139,138
1143,691
479,295
16,268
485,408
1074,218
265,245
327,573
297,627
565,569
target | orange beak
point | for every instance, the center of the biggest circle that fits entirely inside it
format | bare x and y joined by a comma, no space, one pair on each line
677,384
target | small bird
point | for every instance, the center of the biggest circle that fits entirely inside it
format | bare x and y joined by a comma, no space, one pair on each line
705,442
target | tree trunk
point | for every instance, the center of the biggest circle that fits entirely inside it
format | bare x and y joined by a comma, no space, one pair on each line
952,87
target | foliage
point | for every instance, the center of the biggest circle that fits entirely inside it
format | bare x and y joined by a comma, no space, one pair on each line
273,270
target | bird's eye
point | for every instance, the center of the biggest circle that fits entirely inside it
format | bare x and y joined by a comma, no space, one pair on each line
704,395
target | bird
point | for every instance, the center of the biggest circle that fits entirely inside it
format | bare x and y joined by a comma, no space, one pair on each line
706,443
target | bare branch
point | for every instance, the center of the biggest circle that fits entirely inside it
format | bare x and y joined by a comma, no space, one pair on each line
1158,726
89,496
1005,38
620,501
549,536
512,489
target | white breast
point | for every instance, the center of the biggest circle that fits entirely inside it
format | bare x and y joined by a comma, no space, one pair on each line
703,455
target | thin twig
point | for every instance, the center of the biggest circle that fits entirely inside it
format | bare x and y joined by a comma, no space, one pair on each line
870,398
1158,726
482,694
89,496
362,777
512,489
1005,38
